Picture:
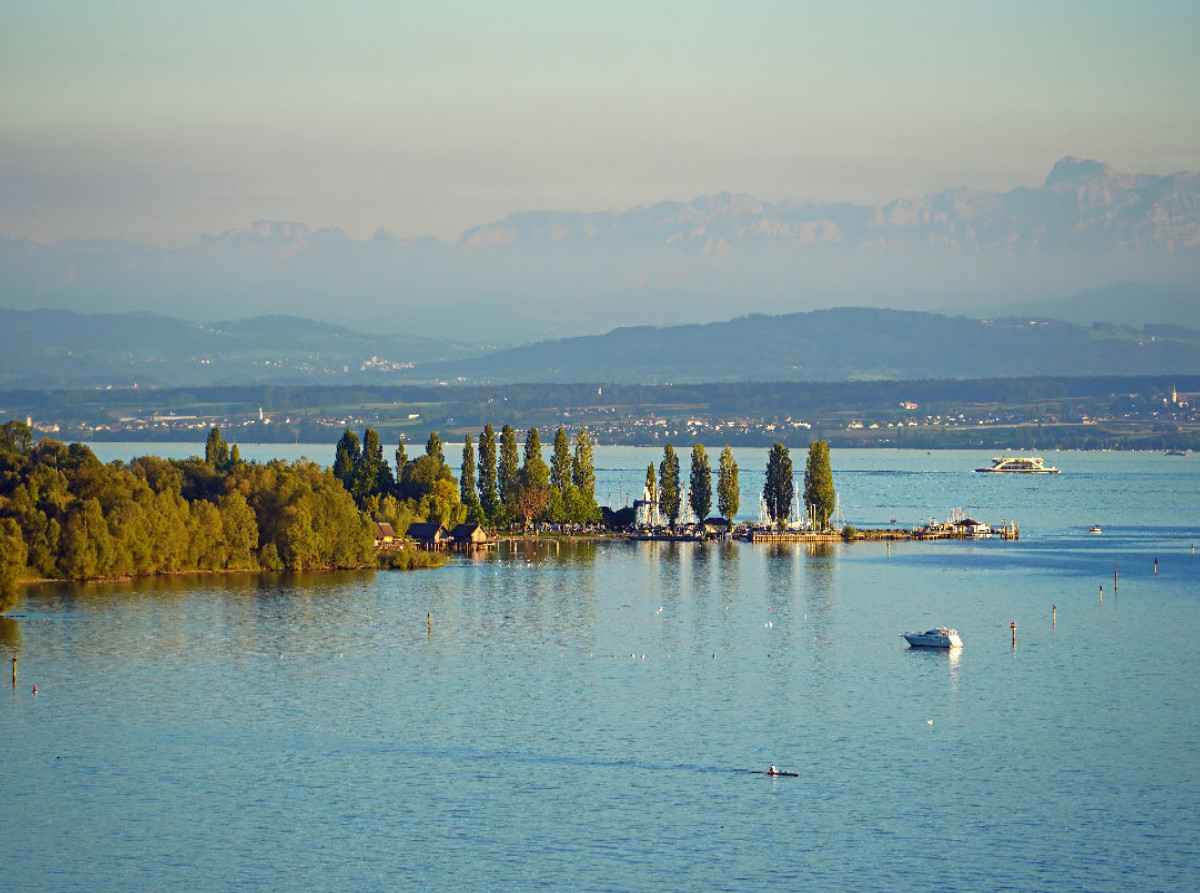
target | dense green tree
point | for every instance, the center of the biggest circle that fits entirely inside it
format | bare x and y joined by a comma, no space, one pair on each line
651,493
700,484
509,467
534,471
401,458
216,450
560,464
433,447
235,455
533,492
16,438
779,488
728,494
421,476
372,475
240,531
13,556
581,504
86,548
489,494
467,493
670,500
345,458
820,498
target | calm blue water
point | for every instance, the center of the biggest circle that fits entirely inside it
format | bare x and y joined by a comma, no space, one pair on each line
581,717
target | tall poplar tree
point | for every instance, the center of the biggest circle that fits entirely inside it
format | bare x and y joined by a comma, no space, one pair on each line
509,468
779,488
433,447
700,484
669,498
466,480
728,495
535,472
489,494
583,468
372,475
652,493
345,458
216,450
582,507
560,464
820,498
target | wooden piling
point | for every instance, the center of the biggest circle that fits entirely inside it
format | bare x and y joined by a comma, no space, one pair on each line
1013,627
14,671
429,620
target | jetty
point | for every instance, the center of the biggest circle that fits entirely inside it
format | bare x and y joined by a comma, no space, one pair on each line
959,526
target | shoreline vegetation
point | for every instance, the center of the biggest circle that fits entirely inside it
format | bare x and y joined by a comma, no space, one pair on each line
64,515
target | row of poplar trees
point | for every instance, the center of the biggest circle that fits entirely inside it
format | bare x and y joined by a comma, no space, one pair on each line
778,490
499,484
665,490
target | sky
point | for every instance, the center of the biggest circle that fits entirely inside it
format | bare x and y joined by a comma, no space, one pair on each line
160,121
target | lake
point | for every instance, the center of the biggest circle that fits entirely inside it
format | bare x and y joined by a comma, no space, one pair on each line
592,716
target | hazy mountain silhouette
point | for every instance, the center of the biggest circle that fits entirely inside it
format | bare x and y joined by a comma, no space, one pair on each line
545,274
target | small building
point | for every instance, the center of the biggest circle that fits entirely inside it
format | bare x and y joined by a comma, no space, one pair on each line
428,535
470,536
384,535
715,526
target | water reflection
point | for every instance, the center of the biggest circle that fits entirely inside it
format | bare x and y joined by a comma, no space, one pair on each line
819,590
10,634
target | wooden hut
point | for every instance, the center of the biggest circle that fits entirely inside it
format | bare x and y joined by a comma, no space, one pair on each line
385,536
428,535
470,536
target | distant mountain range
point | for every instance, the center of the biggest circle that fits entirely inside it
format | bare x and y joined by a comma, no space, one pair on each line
546,274
43,349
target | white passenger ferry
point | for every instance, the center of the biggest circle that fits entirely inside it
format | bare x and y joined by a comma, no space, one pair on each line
1020,465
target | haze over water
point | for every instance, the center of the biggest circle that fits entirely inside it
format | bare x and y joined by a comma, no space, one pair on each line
583,716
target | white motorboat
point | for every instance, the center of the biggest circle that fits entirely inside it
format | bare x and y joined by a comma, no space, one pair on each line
939,637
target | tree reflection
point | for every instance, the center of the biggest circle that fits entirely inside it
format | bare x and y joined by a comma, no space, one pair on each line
10,634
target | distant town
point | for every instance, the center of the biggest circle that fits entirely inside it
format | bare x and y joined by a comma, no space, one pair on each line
1023,413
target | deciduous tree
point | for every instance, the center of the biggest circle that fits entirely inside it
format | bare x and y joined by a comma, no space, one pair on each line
820,498
728,495
669,498
489,494
509,467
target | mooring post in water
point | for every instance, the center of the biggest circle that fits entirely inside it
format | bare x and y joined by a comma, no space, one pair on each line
1156,567
1054,615
1102,593
1116,572
14,671
1013,627
429,620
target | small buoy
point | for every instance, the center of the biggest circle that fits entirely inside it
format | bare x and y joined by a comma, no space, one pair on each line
35,689
929,722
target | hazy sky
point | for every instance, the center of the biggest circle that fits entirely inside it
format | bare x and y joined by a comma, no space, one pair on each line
158,121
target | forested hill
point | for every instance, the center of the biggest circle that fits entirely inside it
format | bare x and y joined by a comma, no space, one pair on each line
53,349
844,344
61,348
